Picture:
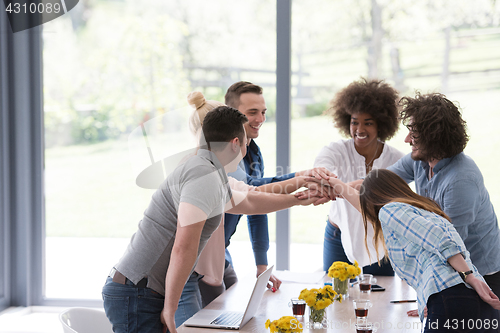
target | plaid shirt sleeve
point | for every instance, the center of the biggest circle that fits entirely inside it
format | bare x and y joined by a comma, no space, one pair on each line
435,235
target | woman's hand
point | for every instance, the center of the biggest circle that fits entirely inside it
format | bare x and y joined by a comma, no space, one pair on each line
414,313
484,291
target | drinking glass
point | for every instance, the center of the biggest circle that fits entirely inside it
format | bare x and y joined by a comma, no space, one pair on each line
361,309
365,328
298,307
365,282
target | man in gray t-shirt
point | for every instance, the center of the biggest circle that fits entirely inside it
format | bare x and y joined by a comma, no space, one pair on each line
143,290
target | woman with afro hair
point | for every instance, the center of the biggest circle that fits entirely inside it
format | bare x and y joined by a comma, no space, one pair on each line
366,112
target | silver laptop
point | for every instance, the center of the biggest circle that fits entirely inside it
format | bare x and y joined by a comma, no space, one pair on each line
228,319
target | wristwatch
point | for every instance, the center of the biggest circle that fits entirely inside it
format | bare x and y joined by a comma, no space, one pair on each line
463,275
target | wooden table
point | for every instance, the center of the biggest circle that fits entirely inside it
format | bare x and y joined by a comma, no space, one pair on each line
386,316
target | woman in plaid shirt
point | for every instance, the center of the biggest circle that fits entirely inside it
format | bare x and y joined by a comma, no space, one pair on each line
426,251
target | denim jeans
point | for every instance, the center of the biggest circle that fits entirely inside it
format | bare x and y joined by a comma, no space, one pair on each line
460,309
131,309
333,250
190,301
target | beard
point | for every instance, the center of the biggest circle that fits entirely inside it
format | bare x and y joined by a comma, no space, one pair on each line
417,155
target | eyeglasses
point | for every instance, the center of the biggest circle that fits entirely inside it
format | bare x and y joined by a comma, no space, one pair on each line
413,133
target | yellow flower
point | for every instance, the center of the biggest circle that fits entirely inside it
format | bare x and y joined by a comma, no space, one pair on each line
310,300
320,304
343,271
304,293
329,289
287,324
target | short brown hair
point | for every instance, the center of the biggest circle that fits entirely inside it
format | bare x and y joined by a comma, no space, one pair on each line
234,92
381,187
221,125
376,98
439,128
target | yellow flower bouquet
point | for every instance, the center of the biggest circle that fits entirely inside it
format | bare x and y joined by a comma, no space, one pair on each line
286,324
318,300
342,270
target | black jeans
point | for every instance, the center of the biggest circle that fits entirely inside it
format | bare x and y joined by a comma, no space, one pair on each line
209,292
460,309
493,281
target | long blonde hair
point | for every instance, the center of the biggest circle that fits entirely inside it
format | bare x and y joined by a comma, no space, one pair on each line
381,187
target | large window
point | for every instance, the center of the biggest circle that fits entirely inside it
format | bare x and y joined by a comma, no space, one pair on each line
429,46
109,68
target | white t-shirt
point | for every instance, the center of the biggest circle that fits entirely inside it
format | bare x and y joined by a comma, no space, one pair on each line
342,159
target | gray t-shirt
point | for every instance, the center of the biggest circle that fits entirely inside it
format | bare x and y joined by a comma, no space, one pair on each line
200,181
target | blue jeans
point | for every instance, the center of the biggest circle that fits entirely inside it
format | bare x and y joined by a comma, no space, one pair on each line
190,301
333,250
131,309
460,309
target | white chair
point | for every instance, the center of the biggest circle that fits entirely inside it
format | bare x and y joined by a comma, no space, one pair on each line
85,320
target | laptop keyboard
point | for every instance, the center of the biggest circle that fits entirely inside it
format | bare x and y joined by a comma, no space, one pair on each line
228,319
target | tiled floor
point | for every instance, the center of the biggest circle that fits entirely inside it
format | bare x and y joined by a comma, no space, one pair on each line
46,319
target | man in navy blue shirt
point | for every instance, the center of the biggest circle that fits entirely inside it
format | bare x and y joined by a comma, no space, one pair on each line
248,99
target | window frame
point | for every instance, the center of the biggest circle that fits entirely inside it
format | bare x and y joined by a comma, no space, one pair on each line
22,167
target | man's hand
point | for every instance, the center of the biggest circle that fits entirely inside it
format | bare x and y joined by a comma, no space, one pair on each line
308,197
318,173
276,283
322,187
168,320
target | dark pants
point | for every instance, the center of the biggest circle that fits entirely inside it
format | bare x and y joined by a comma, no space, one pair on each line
493,281
460,309
209,292
334,251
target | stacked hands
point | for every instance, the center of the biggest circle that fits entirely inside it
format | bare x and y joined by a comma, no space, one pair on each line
325,185
321,184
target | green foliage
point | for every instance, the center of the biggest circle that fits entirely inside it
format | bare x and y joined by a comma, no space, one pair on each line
94,126
122,64
316,109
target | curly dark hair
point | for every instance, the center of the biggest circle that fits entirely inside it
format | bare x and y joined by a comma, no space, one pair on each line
437,125
376,98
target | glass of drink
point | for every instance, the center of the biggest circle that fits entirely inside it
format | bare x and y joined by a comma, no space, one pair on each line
298,307
365,328
365,282
361,309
